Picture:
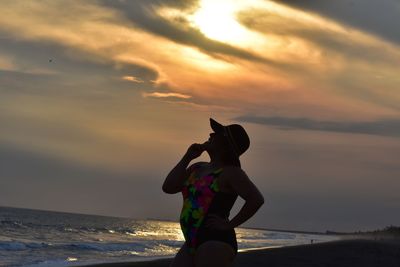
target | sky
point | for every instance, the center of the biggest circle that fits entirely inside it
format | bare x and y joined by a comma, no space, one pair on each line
100,99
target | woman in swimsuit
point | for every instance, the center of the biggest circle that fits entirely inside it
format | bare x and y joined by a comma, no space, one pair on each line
209,190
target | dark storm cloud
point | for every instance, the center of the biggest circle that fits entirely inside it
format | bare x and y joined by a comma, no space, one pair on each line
142,14
378,17
379,127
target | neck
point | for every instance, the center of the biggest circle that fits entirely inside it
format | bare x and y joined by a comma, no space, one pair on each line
216,160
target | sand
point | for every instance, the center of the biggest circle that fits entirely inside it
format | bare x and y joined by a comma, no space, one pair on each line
346,253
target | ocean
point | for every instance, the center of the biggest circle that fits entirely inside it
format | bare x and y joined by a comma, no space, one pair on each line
46,238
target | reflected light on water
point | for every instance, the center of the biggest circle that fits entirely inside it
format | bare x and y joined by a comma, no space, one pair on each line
159,230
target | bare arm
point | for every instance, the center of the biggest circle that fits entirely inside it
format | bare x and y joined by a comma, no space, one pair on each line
249,192
242,185
177,176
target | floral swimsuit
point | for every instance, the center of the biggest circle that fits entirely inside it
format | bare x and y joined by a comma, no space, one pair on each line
198,195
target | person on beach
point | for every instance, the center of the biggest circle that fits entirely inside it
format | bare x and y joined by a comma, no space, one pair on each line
209,191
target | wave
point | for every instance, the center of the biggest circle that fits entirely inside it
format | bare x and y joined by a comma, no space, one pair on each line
65,228
52,263
17,246
266,236
136,247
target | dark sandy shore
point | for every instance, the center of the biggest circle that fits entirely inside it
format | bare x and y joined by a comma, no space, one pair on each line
346,253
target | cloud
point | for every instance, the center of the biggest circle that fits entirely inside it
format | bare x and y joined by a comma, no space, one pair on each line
376,17
132,79
333,58
69,68
144,14
388,127
166,95
133,39
323,35
102,38
83,49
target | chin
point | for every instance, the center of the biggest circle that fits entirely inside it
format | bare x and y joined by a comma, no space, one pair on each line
209,150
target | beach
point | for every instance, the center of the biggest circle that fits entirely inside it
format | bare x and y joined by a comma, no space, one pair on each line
345,253
68,239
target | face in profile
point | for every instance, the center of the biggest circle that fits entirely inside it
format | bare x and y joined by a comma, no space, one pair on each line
216,142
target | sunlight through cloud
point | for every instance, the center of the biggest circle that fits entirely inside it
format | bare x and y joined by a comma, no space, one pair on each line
216,19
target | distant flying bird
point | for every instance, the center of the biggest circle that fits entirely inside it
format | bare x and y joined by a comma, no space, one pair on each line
50,60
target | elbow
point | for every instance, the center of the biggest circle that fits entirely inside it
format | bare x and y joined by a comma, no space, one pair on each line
165,189
258,200
168,190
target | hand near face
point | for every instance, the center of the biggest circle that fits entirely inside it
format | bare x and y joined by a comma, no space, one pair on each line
195,150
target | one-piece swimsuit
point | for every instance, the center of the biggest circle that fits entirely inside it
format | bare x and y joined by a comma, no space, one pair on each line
201,197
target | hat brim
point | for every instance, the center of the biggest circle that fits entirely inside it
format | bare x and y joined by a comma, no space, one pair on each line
215,126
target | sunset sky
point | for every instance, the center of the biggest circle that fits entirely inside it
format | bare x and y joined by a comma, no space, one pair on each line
100,99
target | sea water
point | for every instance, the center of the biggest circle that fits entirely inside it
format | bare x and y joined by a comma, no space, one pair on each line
48,238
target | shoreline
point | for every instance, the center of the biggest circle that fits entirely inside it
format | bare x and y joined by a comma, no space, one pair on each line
342,253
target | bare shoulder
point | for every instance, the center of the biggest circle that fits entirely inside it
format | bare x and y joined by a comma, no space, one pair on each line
197,167
197,164
234,176
241,184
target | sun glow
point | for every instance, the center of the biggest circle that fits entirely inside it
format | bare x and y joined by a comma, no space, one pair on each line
216,20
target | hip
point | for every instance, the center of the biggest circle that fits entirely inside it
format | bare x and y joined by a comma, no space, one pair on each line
207,234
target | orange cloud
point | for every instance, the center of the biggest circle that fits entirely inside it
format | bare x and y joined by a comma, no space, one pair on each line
166,95
308,68
132,79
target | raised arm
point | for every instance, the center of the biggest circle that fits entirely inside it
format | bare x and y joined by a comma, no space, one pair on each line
174,181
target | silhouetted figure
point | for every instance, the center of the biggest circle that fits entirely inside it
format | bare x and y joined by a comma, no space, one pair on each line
209,191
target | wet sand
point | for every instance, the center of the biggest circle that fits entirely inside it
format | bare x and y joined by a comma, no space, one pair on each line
346,253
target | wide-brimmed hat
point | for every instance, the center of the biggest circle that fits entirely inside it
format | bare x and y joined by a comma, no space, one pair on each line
236,135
